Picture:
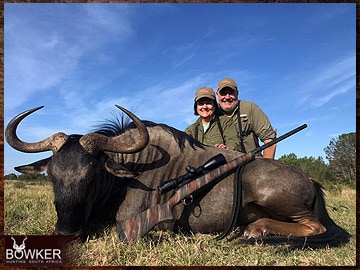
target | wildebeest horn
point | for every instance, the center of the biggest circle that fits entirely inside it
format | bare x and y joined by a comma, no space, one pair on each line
53,143
93,142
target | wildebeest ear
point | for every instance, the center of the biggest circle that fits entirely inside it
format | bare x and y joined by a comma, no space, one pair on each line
118,170
34,168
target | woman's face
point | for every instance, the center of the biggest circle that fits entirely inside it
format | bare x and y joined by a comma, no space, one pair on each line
205,108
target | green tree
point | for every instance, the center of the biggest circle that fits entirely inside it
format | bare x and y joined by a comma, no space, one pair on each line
314,167
28,177
341,154
11,176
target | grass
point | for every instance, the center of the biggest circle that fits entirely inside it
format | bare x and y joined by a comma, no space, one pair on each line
29,210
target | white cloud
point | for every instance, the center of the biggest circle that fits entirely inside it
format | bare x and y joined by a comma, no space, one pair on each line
41,56
335,91
323,86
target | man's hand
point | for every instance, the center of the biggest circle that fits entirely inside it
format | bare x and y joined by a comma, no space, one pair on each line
220,145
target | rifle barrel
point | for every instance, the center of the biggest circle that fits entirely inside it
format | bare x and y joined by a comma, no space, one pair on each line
278,139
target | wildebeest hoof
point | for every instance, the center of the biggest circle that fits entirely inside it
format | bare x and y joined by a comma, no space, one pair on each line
248,236
253,231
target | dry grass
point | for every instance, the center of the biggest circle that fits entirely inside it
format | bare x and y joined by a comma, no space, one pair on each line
29,210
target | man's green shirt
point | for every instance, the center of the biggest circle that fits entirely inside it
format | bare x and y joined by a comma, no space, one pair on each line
254,123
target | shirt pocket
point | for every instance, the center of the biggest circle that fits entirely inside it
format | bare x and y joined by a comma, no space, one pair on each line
245,124
213,139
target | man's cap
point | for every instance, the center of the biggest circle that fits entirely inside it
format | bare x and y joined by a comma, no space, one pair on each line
204,92
227,82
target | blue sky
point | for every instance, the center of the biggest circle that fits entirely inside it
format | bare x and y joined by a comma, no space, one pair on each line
296,61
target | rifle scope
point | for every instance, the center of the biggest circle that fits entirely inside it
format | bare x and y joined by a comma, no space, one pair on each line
193,173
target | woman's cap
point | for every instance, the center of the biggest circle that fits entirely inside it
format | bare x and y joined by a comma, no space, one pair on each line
205,92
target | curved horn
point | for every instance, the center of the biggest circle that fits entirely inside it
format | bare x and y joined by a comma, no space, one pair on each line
93,142
52,143
24,240
14,242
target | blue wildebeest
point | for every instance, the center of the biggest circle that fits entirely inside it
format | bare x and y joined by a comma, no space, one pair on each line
112,174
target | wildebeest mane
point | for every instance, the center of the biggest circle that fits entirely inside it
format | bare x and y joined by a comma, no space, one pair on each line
113,127
118,125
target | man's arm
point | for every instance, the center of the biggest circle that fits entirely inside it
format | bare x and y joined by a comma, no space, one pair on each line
263,129
270,151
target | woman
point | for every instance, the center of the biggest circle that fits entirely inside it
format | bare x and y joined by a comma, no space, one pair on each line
210,129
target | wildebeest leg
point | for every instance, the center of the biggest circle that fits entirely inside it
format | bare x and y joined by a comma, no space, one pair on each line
305,226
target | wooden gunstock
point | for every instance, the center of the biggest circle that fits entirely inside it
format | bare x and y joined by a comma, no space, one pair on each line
139,225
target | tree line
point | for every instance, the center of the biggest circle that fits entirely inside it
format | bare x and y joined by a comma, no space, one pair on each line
340,169
341,166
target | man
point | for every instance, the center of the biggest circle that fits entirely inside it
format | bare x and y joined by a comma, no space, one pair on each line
250,121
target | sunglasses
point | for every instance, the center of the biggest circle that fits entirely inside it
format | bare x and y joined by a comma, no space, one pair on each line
226,91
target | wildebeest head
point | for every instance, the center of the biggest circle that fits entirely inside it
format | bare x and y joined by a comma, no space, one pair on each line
76,163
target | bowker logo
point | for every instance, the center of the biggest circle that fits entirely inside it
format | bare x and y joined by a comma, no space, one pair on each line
34,250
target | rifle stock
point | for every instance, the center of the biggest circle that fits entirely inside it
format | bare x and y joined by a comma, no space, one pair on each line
139,225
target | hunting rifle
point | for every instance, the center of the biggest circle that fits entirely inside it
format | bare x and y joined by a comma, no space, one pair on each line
139,225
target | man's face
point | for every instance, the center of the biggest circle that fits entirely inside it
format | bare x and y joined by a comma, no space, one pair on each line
227,99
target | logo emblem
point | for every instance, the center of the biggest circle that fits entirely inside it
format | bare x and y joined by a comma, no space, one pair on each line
34,250
19,248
